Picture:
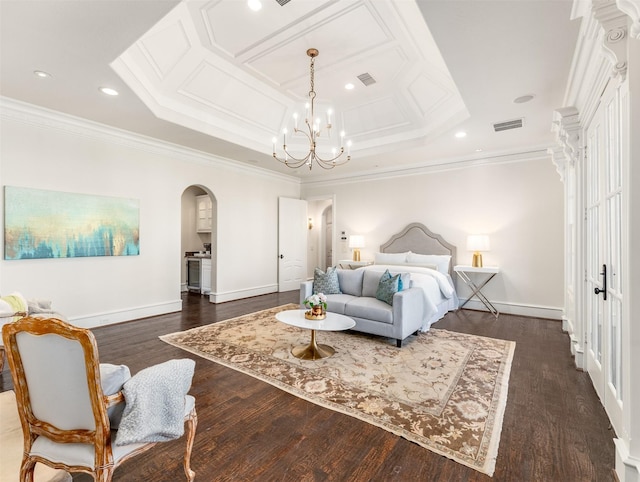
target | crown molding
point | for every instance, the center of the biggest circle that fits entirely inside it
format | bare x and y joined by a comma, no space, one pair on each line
632,9
486,158
11,109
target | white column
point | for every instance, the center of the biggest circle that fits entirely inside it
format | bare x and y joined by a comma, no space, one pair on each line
628,449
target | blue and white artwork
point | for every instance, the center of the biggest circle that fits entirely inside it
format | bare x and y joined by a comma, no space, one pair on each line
50,224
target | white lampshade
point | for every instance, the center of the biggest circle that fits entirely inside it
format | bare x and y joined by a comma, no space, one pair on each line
356,241
478,242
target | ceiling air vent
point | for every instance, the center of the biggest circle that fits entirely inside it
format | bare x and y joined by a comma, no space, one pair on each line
366,79
282,3
506,125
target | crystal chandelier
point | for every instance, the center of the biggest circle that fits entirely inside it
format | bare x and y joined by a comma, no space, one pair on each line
312,132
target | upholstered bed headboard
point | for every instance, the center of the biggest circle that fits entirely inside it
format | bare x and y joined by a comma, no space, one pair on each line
417,238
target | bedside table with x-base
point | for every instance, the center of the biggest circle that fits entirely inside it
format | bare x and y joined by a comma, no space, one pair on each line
463,273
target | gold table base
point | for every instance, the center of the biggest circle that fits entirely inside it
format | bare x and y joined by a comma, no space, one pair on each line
312,351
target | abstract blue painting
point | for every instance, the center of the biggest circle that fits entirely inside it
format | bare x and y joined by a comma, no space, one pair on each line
50,224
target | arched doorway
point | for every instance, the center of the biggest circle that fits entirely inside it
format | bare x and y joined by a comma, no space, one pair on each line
320,245
198,241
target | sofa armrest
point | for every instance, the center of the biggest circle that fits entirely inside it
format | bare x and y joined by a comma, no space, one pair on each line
408,310
306,290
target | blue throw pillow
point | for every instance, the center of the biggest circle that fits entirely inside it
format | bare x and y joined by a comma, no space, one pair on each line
387,287
326,283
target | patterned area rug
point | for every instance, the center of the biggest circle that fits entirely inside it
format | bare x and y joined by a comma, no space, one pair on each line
445,391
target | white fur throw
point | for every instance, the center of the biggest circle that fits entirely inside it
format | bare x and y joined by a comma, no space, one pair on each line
155,403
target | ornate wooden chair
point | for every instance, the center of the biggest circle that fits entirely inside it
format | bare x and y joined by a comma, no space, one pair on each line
4,319
62,408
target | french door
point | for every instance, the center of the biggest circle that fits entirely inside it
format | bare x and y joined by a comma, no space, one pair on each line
603,253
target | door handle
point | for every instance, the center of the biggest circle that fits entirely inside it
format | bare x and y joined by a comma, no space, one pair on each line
282,256
604,284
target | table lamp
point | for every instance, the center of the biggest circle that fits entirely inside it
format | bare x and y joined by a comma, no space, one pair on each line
356,242
477,243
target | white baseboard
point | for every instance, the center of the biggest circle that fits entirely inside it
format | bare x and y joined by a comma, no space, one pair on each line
536,311
221,297
627,467
111,317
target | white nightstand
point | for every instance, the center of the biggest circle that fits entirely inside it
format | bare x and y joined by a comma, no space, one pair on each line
464,272
350,264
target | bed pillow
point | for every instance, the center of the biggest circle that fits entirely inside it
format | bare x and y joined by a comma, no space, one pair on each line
387,287
326,283
390,258
441,261
404,282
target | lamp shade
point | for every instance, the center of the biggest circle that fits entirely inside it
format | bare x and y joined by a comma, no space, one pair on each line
478,242
356,241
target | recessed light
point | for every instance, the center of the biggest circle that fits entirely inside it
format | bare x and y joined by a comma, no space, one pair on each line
108,91
461,134
349,86
478,150
523,98
42,74
254,5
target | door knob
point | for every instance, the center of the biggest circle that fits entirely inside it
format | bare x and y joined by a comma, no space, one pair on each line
281,256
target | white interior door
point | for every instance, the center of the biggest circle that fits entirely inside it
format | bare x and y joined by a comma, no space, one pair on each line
327,218
292,243
603,232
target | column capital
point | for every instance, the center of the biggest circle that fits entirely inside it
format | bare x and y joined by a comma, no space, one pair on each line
614,24
566,125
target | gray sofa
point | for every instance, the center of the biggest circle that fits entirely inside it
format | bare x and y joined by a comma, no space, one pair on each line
358,301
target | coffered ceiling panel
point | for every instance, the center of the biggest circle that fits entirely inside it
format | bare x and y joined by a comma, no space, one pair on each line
212,88
236,39
374,117
165,48
427,95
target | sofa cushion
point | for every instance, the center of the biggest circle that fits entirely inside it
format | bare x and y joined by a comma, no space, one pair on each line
387,287
370,309
351,281
326,283
370,283
338,303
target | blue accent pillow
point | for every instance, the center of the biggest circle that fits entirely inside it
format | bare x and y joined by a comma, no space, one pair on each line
387,287
326,283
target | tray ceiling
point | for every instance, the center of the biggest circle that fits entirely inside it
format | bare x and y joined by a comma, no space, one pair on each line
221,69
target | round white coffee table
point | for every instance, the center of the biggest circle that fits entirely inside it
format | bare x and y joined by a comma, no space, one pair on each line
313,351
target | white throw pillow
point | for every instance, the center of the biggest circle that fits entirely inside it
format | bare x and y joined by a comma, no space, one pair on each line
390,258
441,261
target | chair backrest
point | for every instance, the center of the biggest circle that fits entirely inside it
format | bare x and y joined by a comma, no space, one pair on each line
56,375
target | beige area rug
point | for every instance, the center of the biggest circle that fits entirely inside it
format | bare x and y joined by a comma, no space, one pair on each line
445,391
11,444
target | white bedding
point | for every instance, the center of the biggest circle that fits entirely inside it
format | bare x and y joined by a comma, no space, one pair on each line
438,288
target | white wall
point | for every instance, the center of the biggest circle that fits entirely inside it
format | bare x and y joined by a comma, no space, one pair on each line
519,204
45,150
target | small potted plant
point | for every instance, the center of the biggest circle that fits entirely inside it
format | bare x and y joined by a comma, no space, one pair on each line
318,305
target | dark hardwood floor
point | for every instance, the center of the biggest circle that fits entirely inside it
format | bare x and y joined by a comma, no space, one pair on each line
554,427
